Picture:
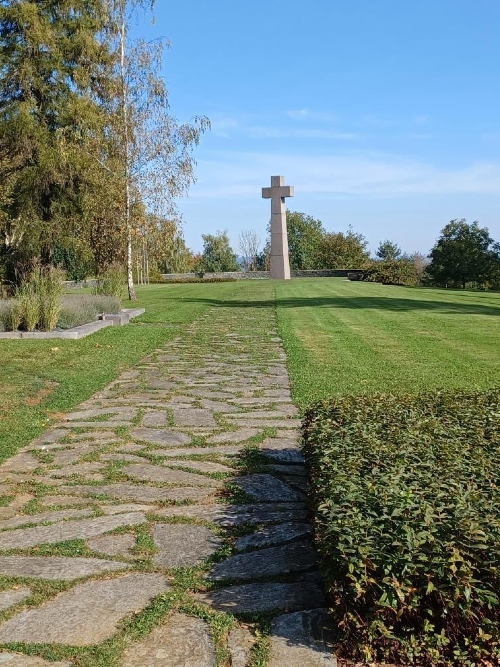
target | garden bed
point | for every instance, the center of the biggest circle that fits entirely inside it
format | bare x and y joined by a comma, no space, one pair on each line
406,499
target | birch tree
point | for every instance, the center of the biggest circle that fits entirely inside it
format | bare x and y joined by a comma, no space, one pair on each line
158,165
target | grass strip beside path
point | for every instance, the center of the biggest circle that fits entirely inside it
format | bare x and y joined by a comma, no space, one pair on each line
41,379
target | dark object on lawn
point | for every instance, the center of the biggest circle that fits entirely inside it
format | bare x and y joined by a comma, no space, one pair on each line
355,276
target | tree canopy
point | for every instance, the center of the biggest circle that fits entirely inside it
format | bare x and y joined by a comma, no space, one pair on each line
217,253
464,253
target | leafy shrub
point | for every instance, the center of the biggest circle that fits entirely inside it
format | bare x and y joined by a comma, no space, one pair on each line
406,495
78,310
111,282
393,272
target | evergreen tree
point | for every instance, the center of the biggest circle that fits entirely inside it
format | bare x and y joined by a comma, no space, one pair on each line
53,77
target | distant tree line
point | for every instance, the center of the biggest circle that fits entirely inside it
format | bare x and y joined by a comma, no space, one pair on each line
464,255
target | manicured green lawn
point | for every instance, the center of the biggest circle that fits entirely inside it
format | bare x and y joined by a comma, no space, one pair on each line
40,379
340,337
347,337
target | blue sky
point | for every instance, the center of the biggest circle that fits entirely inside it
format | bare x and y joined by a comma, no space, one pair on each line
384,114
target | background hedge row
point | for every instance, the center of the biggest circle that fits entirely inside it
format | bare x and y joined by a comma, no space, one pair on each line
407,521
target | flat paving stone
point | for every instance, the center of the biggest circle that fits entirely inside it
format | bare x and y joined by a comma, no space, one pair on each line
266,488
302,639
113,545
85,615
20,660
113,413
62,500
240,642
271,535
237,515
295,557
193,417
24,519
141,493
218,406
183,641
241,435
160,437
183,545
145,472
265,597
261,423
55,567
155,418
202,466
222,450
24,538
22,462
13,596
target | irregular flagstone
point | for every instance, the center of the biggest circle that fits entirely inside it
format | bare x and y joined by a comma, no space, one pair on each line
193,417
23,538
235,436
13,596
265,414
85,615
126,507
155,418
240,642
113,545
218,406
302,639
150,473
265,597
121,413
223,450
24,519
55,567
183,641
141,493
62,500
266,488
202,466
294,557
159,437
22,462
183,545
270,535
237,515
20,660
268,423
287,451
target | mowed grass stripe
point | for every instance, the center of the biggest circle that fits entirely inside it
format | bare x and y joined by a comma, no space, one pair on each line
344,337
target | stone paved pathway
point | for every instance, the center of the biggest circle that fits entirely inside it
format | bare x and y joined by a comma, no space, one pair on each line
163,522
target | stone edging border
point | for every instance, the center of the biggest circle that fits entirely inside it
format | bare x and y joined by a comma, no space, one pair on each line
115,319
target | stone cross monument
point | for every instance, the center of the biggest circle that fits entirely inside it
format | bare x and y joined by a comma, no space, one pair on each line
280,264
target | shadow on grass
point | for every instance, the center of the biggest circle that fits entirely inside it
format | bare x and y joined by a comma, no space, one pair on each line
389,303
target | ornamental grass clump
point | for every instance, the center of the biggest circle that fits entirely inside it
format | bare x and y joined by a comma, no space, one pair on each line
406,496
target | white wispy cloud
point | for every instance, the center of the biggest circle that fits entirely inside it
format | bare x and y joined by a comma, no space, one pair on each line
242,174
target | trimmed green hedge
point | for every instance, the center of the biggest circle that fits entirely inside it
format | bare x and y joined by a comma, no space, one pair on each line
168,281
406,495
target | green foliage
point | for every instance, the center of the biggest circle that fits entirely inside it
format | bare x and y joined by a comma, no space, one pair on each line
78,310
406,494
218,256
50,119
464,254
111,282
401,271
388,250
342,251
304,238
75,259
47,283
29,305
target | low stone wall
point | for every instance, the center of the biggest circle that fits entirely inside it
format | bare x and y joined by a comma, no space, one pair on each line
259,275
